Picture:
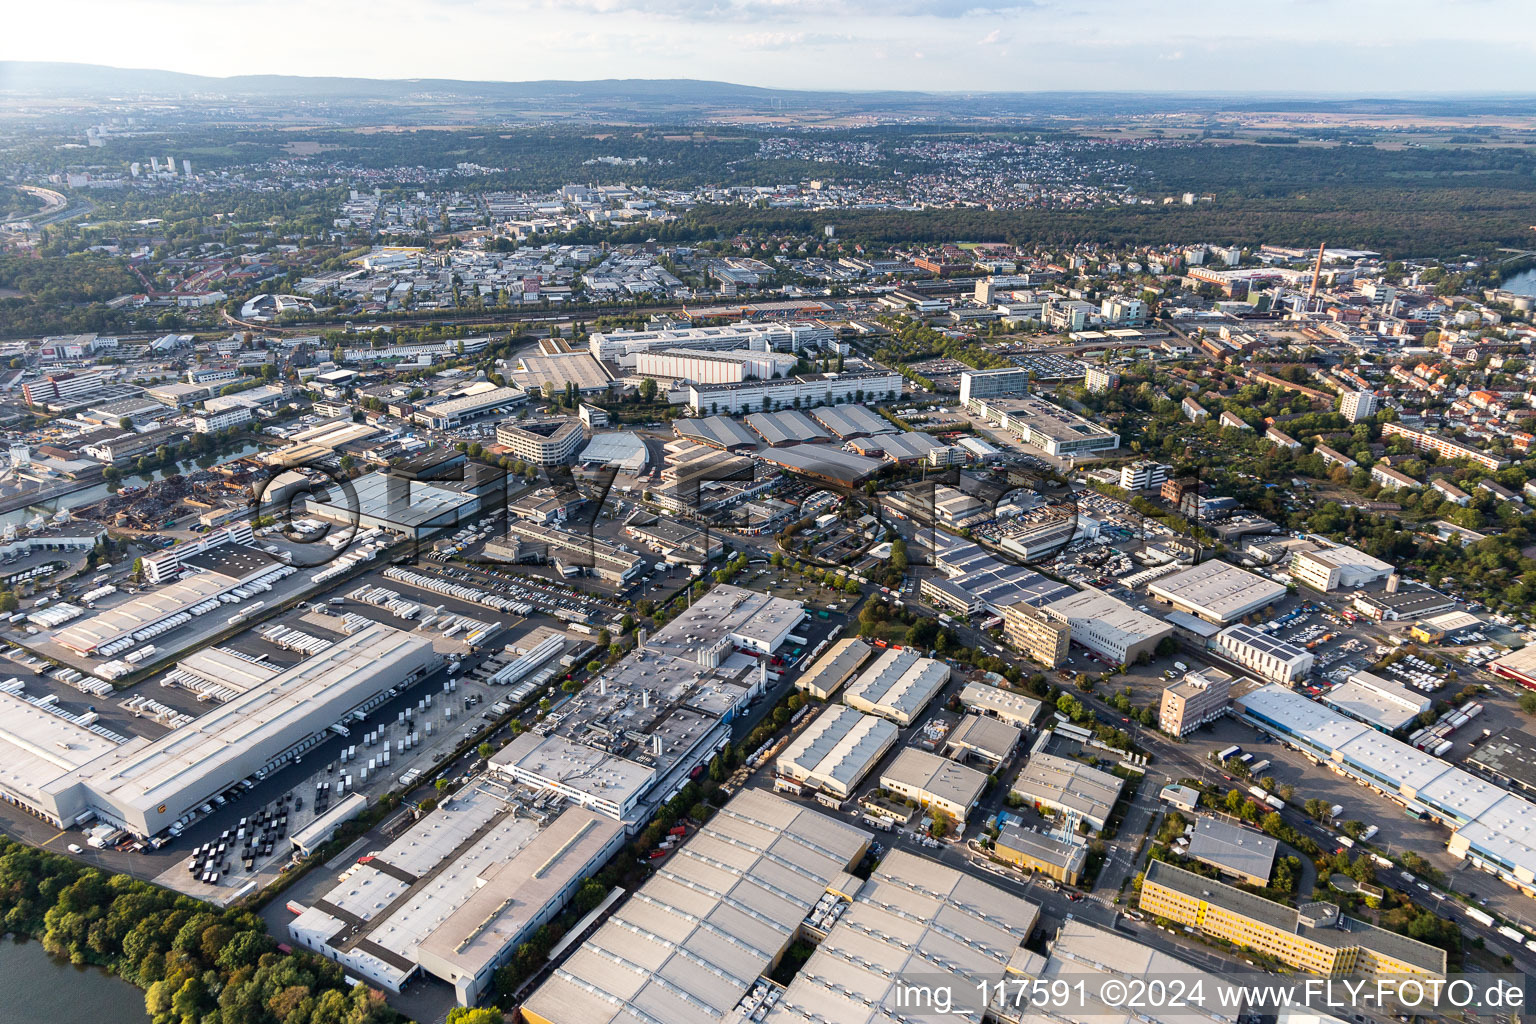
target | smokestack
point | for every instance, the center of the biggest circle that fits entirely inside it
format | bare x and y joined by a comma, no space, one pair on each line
645,698
1317,274
640,639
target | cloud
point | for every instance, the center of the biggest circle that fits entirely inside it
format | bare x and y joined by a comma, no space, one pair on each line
991,37
787,40
764,10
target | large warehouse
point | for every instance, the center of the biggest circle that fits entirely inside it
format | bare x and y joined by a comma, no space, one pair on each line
1056,783
1108,626
836,751
1216,591
934,782
897,685
696,942
457,893
143,786
1493,828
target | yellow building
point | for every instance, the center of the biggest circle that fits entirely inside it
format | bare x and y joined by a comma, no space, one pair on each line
1027,629
1315,937
1036,851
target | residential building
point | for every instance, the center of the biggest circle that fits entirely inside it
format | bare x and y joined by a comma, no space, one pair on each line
1443,446
1359,405
212,422
1098,379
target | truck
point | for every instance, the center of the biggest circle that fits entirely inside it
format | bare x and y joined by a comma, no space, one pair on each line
1482,917
1258,767
1512,934
1231,751
1258,793
1335,810
1274,801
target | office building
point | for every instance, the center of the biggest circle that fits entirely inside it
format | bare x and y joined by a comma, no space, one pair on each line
1108,626
1316,937
730,367
1359,405
1266,656
1143,475
1080,793
836,751
934,782
1227,846
1216,591
1036,634
1201,696
1005,382
542,442
1337,567
1098,379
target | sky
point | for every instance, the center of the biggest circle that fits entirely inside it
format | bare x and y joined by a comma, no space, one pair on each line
1355,47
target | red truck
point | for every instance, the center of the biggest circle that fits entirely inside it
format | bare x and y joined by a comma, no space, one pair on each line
678,830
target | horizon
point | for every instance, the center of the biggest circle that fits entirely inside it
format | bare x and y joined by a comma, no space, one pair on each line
938,47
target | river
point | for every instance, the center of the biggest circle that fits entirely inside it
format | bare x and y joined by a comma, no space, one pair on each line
42,990
95,492
1523,283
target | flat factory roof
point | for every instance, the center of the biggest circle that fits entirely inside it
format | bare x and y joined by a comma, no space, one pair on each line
838,748
1217,590
1232,848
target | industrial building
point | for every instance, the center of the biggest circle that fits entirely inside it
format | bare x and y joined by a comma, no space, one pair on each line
1315,937
219,571
991,585
725,367
387,501
1216,591
1232,849
476,402
897,685
1098,959
717,432
144,786
586,776
1108,626
1008,705
689,946
1378,702
1082,793
836,751
982,738
624,347
457,893
1053,856
822,462
934,782
834,668
788,427
569,553
1201,696
538,371
811,389
1508,755
852,421
1337,567
913,918
1042,638
1047,426
1493,829
904,448
1266,656
541,442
